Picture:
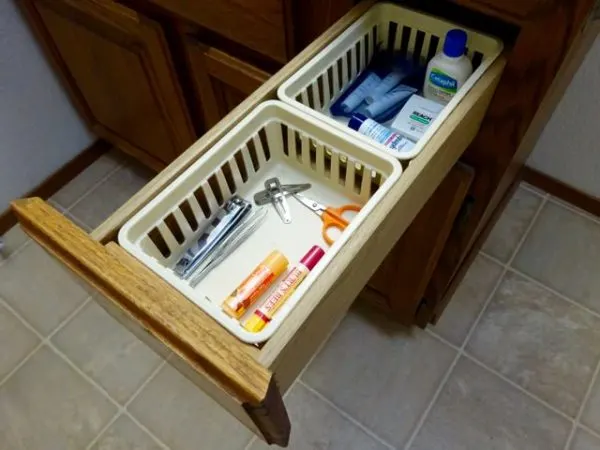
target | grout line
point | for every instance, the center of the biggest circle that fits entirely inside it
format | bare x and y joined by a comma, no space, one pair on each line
47,341
461,349
586,398
589,430
145,383
122,411
542,285
103,430
492,258
20,249
21,363
65,211
436,394
580,212
43,339
453,364
553,291
527,231
347,416
94,383
252,441
145,428
531,188
69,318
518,387
87,192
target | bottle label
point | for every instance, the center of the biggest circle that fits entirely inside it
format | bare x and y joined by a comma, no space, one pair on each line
384,135
442,85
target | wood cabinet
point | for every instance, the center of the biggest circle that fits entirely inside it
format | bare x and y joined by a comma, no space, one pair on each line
143,83
221,81
120,73
399,284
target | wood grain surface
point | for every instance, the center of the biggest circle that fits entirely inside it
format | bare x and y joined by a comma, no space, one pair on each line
543,42
121,73
162,310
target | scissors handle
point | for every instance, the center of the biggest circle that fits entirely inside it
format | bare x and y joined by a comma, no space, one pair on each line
334,218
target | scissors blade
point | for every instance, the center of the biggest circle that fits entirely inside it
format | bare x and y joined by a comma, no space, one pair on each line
314,206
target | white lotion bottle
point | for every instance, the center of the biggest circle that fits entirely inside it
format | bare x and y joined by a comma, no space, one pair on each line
448,70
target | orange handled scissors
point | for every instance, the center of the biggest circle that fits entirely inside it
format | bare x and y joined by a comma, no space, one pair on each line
331,217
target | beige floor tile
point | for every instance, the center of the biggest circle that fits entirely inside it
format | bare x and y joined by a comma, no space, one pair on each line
47,405
78,222
542,342
39,288
14,239
107,352
183,417
478,411
513,223
591,412
468,300
83,182
316,425
124,434
563,252
379,373
111,194
16,341
584,441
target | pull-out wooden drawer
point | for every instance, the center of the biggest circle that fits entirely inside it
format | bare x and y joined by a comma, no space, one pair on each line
246,380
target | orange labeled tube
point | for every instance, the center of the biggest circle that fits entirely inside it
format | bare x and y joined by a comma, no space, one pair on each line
255,284
263,315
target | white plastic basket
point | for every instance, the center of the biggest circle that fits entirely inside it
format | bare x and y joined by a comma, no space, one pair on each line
275,140
388,27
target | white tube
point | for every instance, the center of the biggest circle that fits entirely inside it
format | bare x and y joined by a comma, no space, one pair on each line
359,93
388,100
392,80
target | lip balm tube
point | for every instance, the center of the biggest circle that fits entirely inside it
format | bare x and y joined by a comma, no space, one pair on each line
359,92
263,315
255,284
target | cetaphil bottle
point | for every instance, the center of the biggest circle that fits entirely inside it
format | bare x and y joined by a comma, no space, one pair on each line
448,70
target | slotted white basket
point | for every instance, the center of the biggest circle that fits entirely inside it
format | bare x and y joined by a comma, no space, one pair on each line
385,27
275,140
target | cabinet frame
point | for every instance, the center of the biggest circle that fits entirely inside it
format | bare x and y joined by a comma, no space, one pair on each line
139,35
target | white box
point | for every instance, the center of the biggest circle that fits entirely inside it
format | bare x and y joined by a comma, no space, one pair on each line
416,116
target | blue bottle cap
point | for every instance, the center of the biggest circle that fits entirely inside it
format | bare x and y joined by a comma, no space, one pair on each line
356,121
455,43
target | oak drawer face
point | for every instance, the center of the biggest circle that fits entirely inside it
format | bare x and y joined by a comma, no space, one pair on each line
246,380
257,24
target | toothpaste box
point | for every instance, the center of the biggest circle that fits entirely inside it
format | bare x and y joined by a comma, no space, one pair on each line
415,117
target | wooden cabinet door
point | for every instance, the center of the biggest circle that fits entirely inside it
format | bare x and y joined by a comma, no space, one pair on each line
399,284
117,66
221,81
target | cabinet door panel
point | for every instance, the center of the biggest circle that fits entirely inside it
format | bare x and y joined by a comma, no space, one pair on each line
118,64
400,282
221,81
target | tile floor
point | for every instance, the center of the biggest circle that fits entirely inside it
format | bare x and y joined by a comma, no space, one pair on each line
513,364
